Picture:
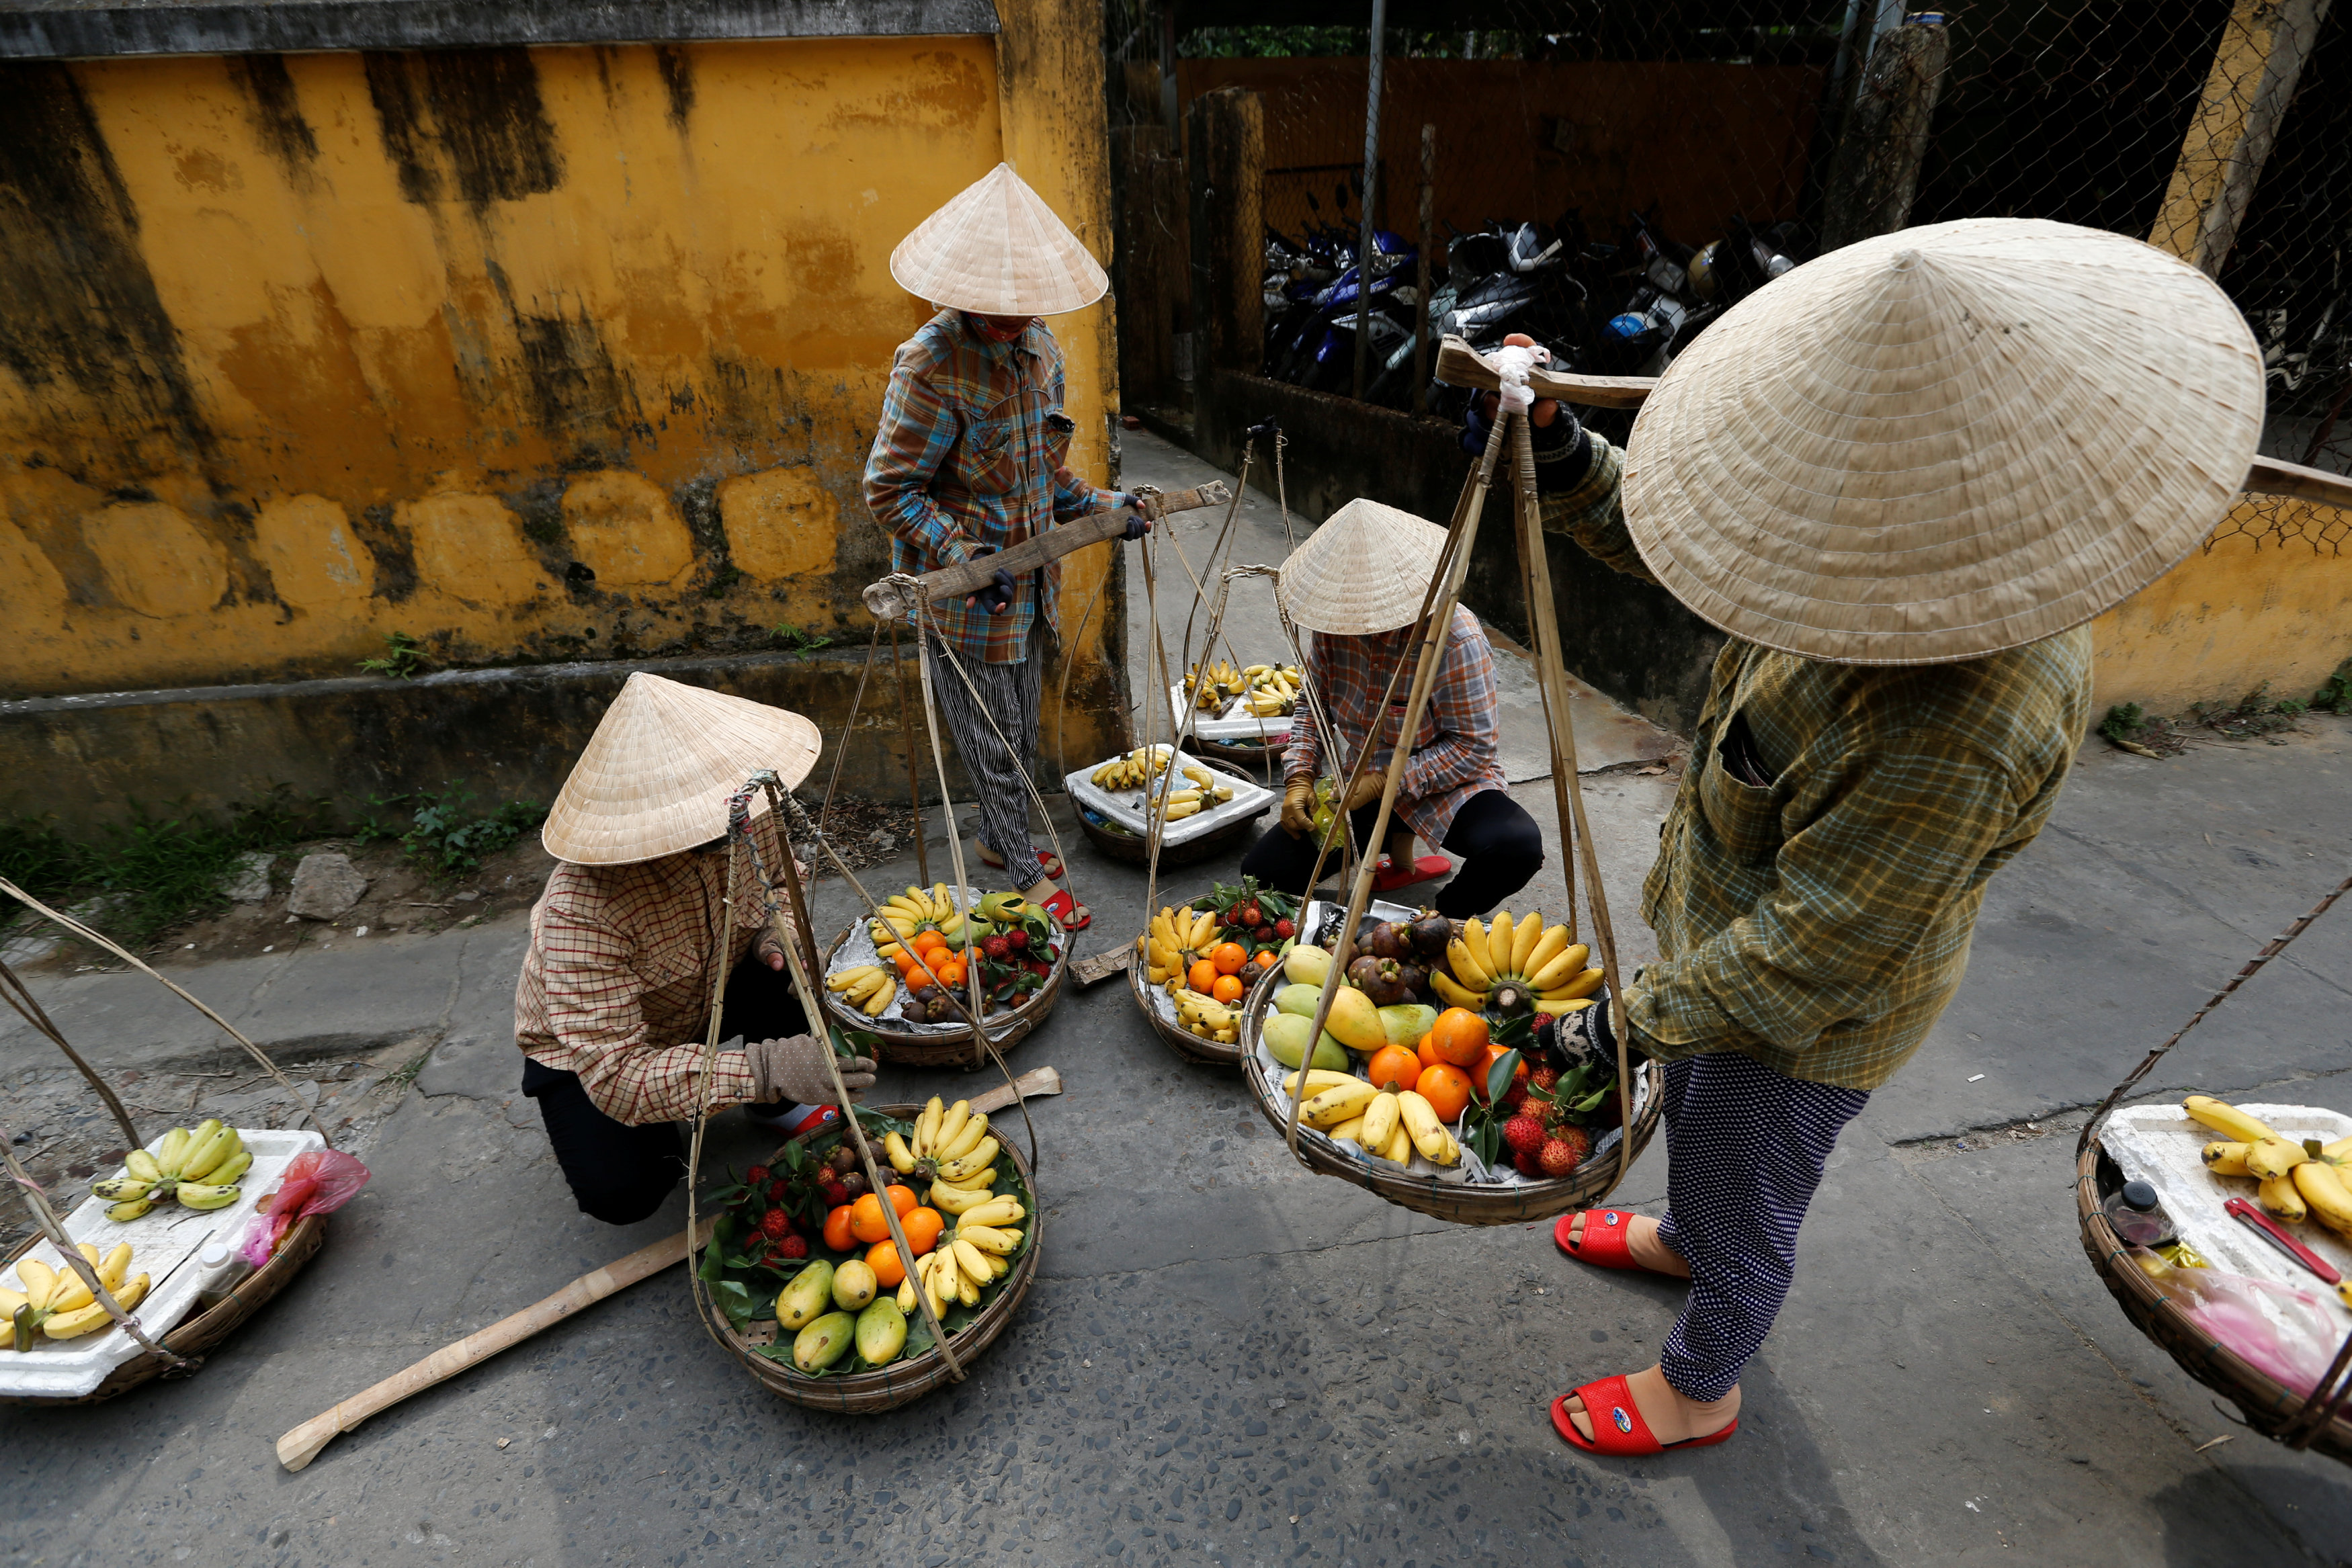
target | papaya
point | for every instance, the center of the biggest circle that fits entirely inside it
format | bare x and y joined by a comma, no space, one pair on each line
805,1298
824,1342
881,1331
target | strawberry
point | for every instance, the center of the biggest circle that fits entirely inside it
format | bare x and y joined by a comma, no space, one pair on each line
792,1246
1525,1133
1564,1151
756,1174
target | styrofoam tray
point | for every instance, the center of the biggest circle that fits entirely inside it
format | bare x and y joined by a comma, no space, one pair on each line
1471,1170
2162,1146
859,950
1125,806
1236,723
165,1242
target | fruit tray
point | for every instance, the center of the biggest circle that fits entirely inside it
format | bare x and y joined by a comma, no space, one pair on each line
1235,723
1126,807
2161,1144
856,949
165,1242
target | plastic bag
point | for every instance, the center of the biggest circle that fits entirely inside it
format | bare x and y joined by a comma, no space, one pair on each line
319,1181
2285,1333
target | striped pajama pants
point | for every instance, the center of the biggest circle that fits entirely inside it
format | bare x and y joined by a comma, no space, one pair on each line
1745,1148
1007,703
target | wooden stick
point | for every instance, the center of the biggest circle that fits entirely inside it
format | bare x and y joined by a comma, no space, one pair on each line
300,1446
13,992
889,601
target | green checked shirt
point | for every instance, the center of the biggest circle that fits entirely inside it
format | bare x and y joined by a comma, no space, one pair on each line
1819,922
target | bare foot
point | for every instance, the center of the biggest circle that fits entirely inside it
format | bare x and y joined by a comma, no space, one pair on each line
1671,1418
1642,1241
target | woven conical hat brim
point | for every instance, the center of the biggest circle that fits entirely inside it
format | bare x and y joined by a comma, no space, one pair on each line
1366,570
1945,441
998,250
656,774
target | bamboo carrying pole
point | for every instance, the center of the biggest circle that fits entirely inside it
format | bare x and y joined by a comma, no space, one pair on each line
298,1447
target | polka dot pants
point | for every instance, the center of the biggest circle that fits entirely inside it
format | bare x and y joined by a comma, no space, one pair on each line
1745,1148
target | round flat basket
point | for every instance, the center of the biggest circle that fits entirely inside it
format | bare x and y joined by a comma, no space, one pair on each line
1457,1202
1122,846
904,1382
1255,759
201,1333
2270,1406
1181,1041
949,1048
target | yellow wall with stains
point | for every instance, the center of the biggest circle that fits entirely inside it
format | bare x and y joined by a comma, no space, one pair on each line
417,342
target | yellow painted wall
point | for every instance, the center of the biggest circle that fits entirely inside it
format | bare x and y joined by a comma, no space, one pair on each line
298,351
2269,599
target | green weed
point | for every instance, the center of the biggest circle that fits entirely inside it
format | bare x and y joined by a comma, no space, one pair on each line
447,837
794,640
404,658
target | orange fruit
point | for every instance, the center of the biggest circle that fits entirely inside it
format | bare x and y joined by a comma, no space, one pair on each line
1228,988
902,1199
1446,1088
836,1229
1266,959
905,959
1459,1037
866,1221
925,941
923,1227
1201,977
950,971
918,979
1479,1074
883,1259
1425,1052
1392,1068
1229,958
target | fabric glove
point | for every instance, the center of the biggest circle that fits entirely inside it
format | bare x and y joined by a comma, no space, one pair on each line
1563,451
793,1068
1299,807
997,597
1137,526
1366,789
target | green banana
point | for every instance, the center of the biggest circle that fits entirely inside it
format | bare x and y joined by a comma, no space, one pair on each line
120,1189
227,1171
208,1152
141,1164
168,1153
123,1213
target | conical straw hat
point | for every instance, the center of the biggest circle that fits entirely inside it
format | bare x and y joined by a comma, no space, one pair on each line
657,772
1366,570
1945,441
998,250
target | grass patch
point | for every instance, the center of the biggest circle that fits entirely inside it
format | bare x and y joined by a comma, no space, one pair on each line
443,835
2336,697
404,658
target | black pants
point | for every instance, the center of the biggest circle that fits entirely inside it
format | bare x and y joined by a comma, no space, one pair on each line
621,1174
1500,846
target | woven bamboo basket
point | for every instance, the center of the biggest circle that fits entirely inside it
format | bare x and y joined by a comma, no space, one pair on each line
2268,1406
201,1333
1255,760
957,1047
1183,1042
901,1382
1455,1202
1122,846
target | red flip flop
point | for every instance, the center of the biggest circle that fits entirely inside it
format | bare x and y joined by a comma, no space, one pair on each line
1071,914
1049,864
1603,1244
1387,877
1617,1430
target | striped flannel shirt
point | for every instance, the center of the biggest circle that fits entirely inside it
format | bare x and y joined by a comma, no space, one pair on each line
616,984
970,452
1455,755
1819,923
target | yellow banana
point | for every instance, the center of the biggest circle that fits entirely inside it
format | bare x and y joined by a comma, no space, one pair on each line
2227,1159
902,1158
927,1126
1473,976
1453,995
2322,1187
1474,937
69,1295
982,1156
1318,1079
1524,936
1498,944
1002,1210
2335,1154
1582,986
168,1152
39,1279
82,1320
117,1264
951,1199
2279,1195
988,1238
971,1263
1338,1103
1421,1120
1400,1147
881,999
975,1128
2225,1119
1204,930
949,1126
1564,965
907,1295
2272,1156
1381,1120
1546,1004
849,977
1351,1128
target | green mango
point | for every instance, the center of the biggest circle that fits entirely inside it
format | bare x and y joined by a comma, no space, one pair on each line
1407,1022
1285,1040
802,1301
881,1330
824,1342
1299,1000
1306,965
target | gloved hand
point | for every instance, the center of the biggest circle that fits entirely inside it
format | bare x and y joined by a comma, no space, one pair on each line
793,1068
997,597
1137,526
1299,807
1562,452
1365,790
1590,1034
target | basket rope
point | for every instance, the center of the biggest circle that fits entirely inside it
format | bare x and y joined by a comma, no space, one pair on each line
50,1226
13,991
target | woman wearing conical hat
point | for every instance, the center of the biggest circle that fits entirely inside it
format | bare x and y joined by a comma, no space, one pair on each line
649,903
969,460
1358,584
1904,478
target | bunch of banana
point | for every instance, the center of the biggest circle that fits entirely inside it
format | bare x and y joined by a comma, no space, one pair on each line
58,1303
198,1165
1174,941
951,1147
1218,685
907,913
2298,1181
1134,770
1539,960
1381,1130
869,987
980,1232
1209,1019
1273,689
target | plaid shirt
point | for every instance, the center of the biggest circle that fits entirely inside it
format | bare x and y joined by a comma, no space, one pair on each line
970,452
1454,755
1821,923
617,985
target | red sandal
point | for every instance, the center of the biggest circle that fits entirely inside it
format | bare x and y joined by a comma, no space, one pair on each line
1621,1433
1388,877
1068,911
1603,1244
1049,864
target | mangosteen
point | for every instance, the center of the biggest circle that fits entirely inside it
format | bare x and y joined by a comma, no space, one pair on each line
1429,932
1414,976
854,1184
1378,978
1390,939
843,1158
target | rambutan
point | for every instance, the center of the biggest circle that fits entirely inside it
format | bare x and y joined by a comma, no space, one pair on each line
1525,1133
1564,1151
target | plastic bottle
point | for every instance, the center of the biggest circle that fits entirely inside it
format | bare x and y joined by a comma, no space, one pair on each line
2138,1216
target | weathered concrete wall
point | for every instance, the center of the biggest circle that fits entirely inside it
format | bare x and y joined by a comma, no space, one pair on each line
530,353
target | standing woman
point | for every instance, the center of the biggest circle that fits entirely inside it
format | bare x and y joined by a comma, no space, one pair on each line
1904,478
968,460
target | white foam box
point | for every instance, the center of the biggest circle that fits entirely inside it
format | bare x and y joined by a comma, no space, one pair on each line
1235,723
1125,806
165,1242
2162,1146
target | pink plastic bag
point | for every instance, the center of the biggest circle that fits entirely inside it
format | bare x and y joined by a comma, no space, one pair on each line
319,1181
2287,1335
